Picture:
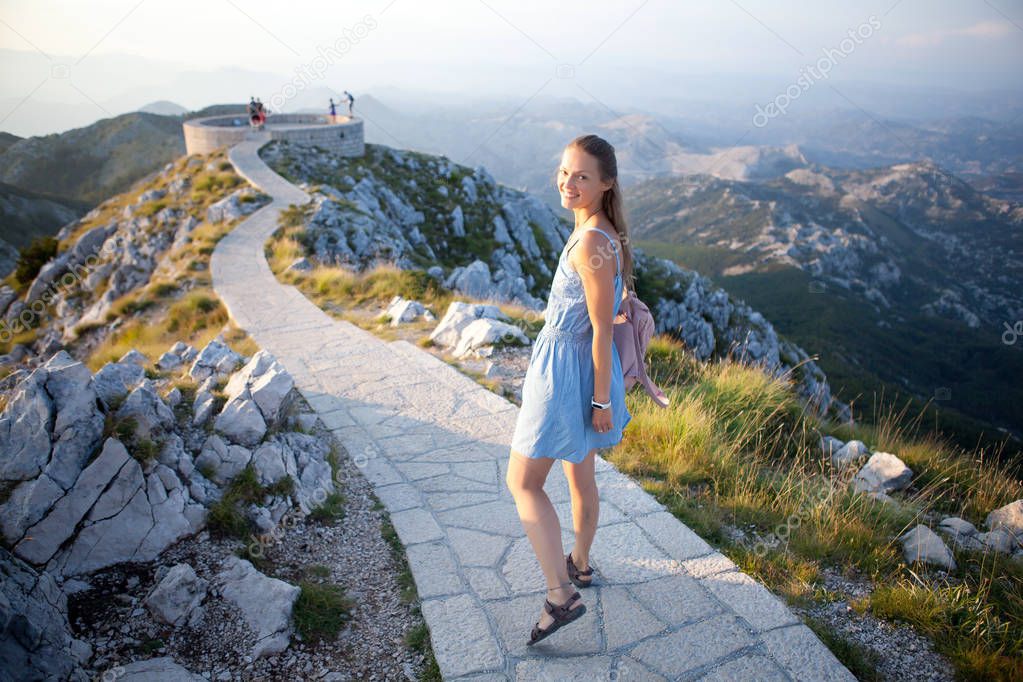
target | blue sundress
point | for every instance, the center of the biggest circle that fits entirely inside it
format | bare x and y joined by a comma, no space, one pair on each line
555,419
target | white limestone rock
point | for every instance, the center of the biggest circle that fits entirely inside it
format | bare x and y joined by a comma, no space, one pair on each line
36,642
487,331
401,310
51,424
961,533
169,361
265,604
264,381
42,540
153,417
164,669
472,280
232,207
135,357
998,540
222,460
922,544
210,358
1008,518
177,597
115,380
134,519
458,316
883,473
851,453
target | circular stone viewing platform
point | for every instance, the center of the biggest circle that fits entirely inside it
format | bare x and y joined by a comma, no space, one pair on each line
341,134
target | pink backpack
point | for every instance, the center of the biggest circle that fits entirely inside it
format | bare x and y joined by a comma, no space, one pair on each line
631,337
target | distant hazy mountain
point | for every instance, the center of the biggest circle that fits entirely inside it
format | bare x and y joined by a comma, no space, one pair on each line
93,163
904,275
25,216
6,140
164,108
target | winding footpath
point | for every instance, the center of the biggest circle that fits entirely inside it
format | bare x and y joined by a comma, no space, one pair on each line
435,446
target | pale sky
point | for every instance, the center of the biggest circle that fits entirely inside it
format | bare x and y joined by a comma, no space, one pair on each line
68,63
915,41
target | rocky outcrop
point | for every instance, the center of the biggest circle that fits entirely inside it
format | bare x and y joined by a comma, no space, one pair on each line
47,432
255,399
714,325
115,249
76,505
35,639
412,209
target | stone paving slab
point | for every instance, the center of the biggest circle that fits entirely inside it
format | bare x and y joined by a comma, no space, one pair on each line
435,446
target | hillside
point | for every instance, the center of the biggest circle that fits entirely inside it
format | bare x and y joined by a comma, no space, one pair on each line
25,216
90,164
929,263
93,163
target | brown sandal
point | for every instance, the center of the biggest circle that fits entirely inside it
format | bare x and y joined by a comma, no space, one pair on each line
574,573
563,614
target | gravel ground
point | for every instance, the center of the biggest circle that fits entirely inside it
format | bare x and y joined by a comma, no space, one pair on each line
113,619
902,653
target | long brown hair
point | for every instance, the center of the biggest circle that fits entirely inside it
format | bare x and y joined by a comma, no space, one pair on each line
611,203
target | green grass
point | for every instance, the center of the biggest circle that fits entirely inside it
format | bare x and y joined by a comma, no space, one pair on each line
331,511
869,368
418,639
971,624
321,610
226,517
735,450
125,429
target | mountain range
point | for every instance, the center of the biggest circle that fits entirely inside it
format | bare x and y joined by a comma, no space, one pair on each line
903,277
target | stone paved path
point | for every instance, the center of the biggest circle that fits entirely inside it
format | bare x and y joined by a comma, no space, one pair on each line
435,445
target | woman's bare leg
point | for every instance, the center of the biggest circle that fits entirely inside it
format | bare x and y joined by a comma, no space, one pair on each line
582,483
525,480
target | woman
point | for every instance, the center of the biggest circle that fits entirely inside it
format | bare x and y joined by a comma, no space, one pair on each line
573,397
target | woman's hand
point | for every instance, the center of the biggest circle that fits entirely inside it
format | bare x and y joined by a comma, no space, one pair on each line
601,420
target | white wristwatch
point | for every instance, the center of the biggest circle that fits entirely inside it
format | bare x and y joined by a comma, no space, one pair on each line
600,406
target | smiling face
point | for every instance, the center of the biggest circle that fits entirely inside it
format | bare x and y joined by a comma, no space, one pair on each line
579,179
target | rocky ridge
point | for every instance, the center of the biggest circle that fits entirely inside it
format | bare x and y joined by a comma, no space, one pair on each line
117,249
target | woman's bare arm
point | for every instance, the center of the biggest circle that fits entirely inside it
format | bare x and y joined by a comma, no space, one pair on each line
594,260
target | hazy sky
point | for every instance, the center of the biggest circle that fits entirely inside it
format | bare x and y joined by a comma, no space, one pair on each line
67,63
964,43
